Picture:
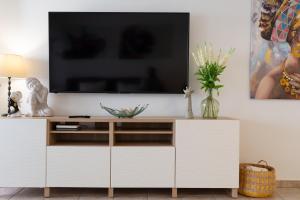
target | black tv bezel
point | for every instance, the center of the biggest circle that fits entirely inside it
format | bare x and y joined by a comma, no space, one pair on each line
107,92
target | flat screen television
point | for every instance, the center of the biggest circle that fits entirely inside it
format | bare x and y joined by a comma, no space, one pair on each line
118,52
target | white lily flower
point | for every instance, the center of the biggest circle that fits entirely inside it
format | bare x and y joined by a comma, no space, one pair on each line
205,54
196,59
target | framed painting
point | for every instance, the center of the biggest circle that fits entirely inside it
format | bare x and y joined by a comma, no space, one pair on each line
275,49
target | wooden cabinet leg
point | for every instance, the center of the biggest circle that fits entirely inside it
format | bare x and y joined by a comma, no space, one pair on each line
111,192
174,192
234,193
46,192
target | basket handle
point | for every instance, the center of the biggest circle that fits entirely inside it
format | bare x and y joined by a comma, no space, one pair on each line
263,162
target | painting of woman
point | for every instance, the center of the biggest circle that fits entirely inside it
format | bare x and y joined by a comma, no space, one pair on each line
275,49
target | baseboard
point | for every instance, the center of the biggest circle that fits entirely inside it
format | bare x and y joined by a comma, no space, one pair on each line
288,184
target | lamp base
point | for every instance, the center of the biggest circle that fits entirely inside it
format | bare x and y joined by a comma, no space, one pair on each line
8,94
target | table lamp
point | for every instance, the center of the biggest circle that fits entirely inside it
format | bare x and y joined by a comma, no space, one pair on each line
11,66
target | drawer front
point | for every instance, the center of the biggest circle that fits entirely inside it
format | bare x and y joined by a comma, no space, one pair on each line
152,167
23,152
78,166
207,154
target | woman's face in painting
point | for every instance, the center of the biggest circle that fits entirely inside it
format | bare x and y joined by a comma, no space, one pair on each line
268,12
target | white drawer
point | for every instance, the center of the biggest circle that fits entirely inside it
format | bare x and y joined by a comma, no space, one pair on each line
78,166
152,167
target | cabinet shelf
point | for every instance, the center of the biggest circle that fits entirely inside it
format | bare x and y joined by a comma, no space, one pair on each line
80,144
146,144
134,126
79,132
144,132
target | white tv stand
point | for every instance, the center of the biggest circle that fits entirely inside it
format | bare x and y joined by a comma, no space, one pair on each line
149,152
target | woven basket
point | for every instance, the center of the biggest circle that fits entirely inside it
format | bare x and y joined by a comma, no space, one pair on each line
257,183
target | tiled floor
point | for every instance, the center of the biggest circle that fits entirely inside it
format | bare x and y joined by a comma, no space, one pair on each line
151,194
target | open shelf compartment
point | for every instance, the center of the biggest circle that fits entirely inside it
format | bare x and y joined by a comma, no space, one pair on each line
84,127
143,140
143,134
143,126
88,134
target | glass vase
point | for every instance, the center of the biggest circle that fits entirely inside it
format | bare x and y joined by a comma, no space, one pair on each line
210,107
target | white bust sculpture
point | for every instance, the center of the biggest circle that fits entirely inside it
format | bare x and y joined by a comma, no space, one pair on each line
37,99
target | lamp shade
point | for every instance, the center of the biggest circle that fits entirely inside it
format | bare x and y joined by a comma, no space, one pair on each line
12,66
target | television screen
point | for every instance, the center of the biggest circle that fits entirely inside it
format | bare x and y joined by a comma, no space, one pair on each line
99,52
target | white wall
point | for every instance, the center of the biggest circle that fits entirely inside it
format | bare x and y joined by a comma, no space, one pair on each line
270,128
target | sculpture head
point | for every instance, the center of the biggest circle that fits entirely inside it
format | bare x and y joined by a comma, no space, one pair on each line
33,84
16,96
280,22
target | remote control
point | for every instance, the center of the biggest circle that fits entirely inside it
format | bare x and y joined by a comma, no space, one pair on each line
79,116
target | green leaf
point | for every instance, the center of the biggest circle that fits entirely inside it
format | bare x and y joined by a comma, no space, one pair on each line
208,76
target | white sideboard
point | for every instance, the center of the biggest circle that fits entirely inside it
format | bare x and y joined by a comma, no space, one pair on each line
149,152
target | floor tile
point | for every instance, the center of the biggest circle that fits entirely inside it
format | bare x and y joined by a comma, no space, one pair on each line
120,194
160,194
223,194
276,196
93,194
65,191
289,193
63,198
196,193
131,198
7,193
93,198
163,198
29,193
199,197
37,194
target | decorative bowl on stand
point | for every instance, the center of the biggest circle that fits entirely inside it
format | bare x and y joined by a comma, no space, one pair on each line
125,112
